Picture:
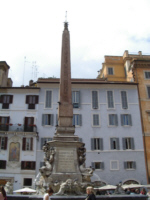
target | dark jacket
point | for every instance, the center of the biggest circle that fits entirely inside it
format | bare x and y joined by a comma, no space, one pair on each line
91,197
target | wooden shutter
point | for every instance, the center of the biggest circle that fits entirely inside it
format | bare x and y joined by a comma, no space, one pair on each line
102,165
101,143
116,119
27,99
24,144
132,143
31,147
78,98
43,119
111,143
125,165
92,144
134,165
48,99
1,98
124,99
36,99
94,99
110,99
11,99
80,120
117,143
124,143
93,165
5,144
121,120
51,119
130,120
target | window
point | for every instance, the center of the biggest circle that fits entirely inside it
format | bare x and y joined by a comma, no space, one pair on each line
44,140
29,124
98,165
31,100
148,91
4,123
48,100
110,99
130,165
47,119
76,99
27,144
95,120
147,75
6,100
110,71
113,120
126,120
114,143
128,143
96,144
94,99
3,143
27,182
114,165
124,100
77,120
2,164
28,165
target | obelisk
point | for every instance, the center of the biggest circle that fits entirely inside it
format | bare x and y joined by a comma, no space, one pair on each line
65,108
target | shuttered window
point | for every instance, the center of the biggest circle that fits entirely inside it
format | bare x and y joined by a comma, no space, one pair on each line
6,100
96,143
110,71
147,75
4,123
48,100
76,99
114,143
128,143
124,99
27,144
47,119
3,143
130,165
110,99
44,140
113,120
95,120
31,100
98,165
77,120
126,120
94,99
148,91
28,165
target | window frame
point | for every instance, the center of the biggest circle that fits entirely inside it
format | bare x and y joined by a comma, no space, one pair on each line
146,71
128,143
25,146
148,91
96,125
31,163
112,99
96,144
101,163
131,163
95,103
125,120
51,97
3,164
112,139
108,70
117,162
122,100
115,120
76,99
27,185
51,119
6,102
77,120
3,140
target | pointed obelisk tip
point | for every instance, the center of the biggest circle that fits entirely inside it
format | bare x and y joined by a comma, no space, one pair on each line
66,23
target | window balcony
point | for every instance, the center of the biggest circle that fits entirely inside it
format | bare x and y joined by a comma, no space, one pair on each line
18,128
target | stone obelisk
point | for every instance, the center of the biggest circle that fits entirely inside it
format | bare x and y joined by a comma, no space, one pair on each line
65,108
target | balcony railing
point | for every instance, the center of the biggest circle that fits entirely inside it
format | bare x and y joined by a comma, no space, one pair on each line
18,128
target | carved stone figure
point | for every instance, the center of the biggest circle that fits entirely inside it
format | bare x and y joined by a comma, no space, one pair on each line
119,189
9,188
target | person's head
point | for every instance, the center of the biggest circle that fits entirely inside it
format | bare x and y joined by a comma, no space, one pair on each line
50,191
89,190
2,191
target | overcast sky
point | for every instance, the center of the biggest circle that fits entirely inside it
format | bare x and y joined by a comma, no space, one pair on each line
31,31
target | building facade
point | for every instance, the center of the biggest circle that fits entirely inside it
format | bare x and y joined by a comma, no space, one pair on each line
133,68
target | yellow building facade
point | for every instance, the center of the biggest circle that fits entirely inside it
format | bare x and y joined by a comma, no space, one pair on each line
133,68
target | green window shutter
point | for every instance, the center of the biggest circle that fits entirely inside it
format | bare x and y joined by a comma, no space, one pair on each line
130,120
121,120
117,143
132,143
124,143
111,143
101,143
116,119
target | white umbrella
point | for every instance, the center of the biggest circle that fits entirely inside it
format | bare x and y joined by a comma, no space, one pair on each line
108,187
132,186
29,190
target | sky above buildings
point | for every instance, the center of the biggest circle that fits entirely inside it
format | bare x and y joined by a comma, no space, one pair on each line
31,35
